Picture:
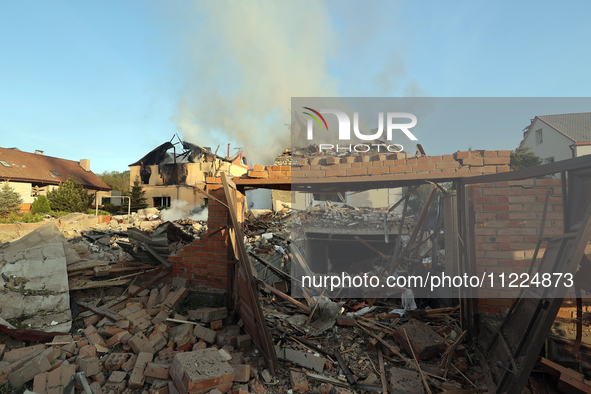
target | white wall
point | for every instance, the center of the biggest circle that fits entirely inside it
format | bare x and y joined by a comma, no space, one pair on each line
24,190
583,150
554,144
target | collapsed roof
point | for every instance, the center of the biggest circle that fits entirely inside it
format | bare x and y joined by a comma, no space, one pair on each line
190,153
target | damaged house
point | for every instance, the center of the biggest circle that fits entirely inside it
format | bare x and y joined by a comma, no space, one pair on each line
33,174
168,173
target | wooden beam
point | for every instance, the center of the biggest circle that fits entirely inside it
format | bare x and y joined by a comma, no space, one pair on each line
285,297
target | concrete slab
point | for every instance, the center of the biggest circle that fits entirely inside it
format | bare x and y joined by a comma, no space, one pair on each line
36,281
405,381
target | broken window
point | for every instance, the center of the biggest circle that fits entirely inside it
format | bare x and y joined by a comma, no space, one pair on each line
333,197
161,201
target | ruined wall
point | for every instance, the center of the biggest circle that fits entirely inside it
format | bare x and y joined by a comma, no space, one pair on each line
477,162
508,220
205,261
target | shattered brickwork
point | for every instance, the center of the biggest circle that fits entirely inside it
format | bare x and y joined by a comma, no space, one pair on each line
205,261
508,221
476,162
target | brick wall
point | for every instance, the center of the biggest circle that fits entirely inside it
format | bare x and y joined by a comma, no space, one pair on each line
508,220
476,162
205,261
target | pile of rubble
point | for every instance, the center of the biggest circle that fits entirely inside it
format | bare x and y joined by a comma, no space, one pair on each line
139,343
328,217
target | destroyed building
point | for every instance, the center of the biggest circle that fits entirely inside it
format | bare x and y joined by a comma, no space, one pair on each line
174,171
33,174
217,315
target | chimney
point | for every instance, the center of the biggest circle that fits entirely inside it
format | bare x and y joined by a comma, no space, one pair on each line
39,152
85,164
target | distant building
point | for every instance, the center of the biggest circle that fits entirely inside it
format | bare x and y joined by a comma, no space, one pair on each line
167,175
559,137
33,174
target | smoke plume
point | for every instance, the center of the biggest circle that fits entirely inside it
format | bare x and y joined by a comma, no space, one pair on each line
242,68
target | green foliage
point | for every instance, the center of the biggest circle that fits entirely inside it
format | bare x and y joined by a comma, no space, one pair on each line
417,200
138,196
117,180
26,217
41,204
69,197
10,200
524,158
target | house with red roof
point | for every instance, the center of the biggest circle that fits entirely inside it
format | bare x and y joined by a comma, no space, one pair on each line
33,174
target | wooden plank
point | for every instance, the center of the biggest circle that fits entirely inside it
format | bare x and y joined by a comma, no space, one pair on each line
285,297
417,363
101,311
250,289
97,284
343,364
382,372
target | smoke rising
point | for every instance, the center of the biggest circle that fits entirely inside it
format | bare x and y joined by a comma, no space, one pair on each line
182,210
246,62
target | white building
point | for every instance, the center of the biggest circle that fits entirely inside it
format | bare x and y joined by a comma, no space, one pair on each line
559,137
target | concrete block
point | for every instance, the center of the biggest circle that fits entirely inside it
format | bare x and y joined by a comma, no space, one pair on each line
206,334
201,370
425,342
404,381
208,315
306,360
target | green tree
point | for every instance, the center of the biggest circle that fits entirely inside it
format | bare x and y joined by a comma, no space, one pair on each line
10,200
524,158
41,204
138,196
69,197
117,180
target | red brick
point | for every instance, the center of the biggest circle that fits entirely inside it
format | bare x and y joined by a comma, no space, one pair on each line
496,160
357,171
258,174
400,168
423,167
378,170
472,162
